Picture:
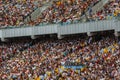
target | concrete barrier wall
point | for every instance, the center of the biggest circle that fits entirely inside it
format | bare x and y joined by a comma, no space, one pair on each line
62,29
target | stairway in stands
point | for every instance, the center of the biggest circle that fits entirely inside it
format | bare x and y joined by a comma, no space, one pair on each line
96,7
37,12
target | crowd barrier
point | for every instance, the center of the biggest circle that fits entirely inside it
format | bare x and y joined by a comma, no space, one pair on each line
94,26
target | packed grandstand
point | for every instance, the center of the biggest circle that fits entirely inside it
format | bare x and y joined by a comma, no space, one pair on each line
75,57
71,58
14,12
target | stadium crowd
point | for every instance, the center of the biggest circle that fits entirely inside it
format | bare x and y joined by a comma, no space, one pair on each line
46,60
13,12
64,11
110,10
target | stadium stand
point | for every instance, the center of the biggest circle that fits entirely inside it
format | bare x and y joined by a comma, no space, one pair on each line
64,11
13,12
47,60
110,11
69,41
